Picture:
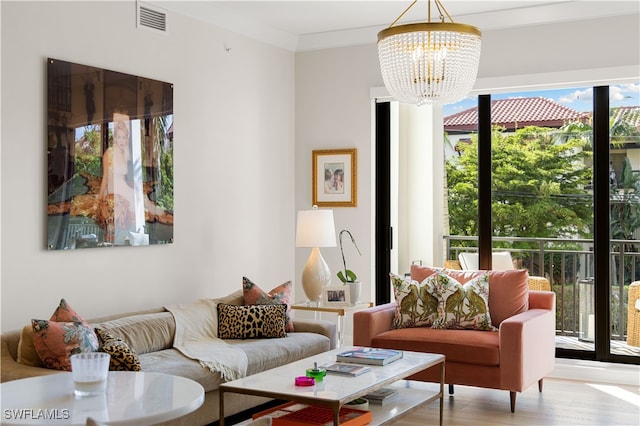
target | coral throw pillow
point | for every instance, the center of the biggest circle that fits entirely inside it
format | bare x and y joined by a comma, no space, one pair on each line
282,294
416,305
462,306
63,335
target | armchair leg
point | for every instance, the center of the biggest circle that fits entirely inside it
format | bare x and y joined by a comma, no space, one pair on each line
450,389
540,385
513,401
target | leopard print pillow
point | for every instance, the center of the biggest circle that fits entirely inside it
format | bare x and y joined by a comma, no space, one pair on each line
251,321
123,357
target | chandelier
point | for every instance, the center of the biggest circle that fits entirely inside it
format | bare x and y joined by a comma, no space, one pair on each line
432,62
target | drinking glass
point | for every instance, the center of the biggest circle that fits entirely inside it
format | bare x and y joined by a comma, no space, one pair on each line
89,371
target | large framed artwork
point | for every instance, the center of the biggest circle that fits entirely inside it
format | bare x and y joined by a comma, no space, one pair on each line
110,158
334,176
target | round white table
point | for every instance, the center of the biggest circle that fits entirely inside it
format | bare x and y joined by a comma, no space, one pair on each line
138,398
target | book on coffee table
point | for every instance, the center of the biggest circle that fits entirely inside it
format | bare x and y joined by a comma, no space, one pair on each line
382,396
370,356
346,369
296,414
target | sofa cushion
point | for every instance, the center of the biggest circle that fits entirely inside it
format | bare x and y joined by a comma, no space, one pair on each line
508,290
461,306
465,346
123,358
144,332
282,294
27,354
250,322
416,306
63,335
171,361
262,354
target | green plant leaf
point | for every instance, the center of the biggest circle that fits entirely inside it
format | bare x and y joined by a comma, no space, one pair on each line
350,276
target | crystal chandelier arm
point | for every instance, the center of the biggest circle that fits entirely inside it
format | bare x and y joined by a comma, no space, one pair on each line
405,11
441,9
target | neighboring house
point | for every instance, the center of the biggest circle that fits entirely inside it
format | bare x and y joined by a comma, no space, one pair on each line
512,114
516,113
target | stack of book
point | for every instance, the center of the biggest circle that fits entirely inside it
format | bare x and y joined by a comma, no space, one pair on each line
295,414
370,356
346,369
382,396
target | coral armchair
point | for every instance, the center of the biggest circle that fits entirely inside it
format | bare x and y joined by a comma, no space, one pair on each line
520,352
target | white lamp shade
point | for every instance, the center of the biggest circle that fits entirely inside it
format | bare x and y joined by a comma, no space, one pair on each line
315,228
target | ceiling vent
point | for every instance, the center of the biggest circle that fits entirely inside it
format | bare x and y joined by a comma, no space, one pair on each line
151,17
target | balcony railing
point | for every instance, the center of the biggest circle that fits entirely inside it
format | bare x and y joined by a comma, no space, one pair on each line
568,264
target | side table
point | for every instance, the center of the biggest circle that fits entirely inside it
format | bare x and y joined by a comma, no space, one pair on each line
340,311
140,398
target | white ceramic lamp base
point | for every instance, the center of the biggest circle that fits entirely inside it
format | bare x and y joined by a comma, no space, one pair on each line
315,276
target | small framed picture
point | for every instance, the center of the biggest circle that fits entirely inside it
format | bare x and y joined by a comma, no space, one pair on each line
336,295
335,178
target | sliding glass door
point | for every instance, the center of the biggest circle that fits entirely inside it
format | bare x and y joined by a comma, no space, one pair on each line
564,170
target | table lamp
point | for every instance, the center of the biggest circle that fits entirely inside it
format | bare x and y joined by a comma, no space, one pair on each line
315,229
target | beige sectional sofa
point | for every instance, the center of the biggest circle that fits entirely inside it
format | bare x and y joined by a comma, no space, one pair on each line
150,333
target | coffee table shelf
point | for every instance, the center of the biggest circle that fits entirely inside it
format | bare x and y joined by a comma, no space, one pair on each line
413,395
336,390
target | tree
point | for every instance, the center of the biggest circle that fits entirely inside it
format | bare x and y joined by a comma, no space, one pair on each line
540,186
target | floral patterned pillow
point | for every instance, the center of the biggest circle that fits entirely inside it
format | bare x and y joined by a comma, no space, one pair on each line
254,295
416,305
462,306
63,335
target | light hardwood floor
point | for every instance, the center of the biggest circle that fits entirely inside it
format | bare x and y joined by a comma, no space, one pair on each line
562,402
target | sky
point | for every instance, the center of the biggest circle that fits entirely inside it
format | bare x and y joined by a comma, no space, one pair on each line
579,98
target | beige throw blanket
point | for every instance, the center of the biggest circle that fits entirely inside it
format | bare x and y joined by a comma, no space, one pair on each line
196,338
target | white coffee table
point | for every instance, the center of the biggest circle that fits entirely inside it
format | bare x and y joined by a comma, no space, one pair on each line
336,390
131,398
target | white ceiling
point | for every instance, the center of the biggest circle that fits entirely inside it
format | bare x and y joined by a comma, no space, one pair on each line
307,25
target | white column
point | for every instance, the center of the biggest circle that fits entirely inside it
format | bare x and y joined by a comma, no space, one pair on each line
421,185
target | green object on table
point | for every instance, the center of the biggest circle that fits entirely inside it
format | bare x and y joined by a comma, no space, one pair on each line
316,373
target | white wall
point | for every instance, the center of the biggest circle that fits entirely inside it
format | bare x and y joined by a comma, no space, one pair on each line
333,110
234,162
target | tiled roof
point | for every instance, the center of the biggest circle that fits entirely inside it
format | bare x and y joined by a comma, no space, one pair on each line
515,113
630,114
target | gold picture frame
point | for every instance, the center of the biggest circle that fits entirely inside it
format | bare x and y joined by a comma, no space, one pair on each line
334,175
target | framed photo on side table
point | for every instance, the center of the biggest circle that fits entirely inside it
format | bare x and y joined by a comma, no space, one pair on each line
336,295
335,178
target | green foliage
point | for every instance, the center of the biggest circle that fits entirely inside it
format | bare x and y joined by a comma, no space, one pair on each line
625,204
537,178
88,163
347,275
349,278
164,191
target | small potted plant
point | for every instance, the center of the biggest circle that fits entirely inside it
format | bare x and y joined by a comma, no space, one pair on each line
347,276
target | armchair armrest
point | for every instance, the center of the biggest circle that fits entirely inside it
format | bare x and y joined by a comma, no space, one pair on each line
539,299
370,322
527,344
